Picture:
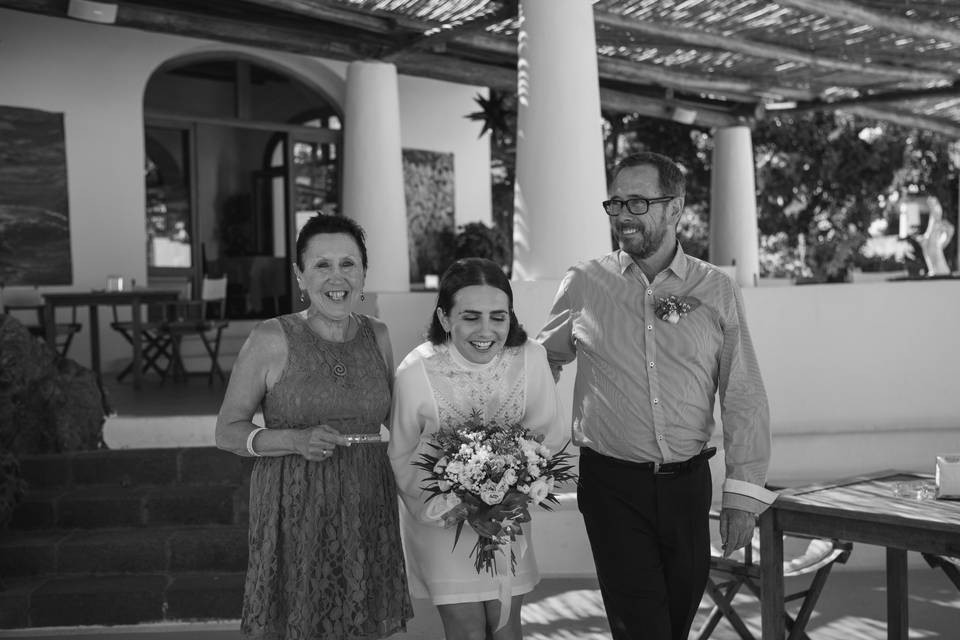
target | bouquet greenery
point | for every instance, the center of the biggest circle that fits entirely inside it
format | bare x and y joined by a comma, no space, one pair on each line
486,475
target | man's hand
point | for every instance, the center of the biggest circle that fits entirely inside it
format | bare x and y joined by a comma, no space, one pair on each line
736,529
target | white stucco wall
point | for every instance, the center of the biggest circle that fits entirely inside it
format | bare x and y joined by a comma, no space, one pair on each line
96,75
860,377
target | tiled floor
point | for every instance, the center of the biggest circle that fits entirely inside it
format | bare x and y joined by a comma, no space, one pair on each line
852,608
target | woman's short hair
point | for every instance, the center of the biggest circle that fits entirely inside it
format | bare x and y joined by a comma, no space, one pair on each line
464,273
324,223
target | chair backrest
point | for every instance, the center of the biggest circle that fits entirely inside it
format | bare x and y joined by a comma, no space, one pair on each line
213,293
213,288
26,297
23,299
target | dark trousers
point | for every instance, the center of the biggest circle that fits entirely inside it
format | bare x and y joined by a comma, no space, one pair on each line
650,538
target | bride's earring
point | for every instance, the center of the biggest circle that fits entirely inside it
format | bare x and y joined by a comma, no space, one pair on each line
303,297
362,297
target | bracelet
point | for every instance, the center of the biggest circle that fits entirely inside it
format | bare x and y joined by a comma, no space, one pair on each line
253,434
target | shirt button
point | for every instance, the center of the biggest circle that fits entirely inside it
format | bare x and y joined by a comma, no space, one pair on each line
649,292
659,436
656,401
649,327
651,364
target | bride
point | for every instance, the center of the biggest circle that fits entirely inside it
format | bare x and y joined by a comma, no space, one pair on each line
477,358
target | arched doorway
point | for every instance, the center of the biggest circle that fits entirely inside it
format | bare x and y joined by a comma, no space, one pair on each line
237,153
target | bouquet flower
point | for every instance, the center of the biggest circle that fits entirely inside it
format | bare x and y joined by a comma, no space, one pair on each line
487,475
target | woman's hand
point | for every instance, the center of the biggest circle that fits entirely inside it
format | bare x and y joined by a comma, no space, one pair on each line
318,443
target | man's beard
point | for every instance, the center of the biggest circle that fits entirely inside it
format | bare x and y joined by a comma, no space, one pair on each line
644,244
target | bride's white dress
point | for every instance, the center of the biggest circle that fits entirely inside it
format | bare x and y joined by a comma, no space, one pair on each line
436,388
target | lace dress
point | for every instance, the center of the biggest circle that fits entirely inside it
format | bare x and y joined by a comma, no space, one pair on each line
437,388
325,553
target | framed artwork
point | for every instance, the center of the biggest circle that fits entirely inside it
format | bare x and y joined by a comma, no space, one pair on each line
429,190
34,216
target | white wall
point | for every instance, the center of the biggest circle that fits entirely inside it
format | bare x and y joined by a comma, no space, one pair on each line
96,75
860,377
434,119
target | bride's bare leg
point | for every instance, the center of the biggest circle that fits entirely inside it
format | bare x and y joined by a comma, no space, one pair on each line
463,621
510,631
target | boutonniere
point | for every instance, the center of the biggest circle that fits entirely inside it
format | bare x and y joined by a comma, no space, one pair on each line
672,308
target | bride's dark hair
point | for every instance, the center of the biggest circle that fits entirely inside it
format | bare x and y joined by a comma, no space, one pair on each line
464,273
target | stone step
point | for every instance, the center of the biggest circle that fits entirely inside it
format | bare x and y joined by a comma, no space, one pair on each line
132,467
120,599
127,550
109,506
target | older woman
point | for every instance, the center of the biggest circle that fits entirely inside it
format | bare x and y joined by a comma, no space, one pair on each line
478,357
325,554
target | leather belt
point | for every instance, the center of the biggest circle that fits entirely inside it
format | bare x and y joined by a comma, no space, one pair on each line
658,468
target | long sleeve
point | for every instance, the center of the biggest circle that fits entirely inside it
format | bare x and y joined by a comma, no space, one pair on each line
543,414
408,421
557,334
745,415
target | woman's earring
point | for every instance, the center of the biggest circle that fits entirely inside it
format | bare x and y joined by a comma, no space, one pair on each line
362,297
303,298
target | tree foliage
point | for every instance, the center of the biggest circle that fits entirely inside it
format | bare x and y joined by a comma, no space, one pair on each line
825,177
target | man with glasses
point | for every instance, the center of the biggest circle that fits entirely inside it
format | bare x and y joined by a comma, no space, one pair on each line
657,334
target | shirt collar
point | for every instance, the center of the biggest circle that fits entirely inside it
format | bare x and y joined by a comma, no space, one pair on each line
678,265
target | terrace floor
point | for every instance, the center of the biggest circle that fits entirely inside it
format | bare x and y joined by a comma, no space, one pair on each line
852,606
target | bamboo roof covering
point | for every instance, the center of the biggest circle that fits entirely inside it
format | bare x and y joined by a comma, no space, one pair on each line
729,61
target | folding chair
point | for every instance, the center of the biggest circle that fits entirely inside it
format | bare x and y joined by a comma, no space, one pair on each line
205,318
950,566
742,569
30,299
155,343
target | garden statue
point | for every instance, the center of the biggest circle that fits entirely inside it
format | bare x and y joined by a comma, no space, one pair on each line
935,238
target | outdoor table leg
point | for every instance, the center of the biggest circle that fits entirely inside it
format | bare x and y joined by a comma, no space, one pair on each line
137,343
771,577
49,324
898,623
94,313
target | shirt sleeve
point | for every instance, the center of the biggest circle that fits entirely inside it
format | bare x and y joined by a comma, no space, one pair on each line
543,414
557,334
745,415
408,421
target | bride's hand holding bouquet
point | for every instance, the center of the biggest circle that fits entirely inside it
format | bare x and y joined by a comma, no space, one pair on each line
486,475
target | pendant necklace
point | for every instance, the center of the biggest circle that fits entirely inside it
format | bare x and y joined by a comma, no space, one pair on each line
339,369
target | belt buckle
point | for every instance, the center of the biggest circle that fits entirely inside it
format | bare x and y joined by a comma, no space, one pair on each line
658,470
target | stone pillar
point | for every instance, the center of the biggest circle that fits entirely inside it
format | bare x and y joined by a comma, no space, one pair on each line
560,181
373,192
733,205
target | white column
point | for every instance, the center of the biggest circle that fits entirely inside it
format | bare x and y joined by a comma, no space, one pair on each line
560,182
733,204
373,172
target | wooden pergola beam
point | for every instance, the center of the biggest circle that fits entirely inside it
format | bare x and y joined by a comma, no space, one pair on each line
888,97
857,14
504,79
699,39
347,17
907,119
616,70
508,9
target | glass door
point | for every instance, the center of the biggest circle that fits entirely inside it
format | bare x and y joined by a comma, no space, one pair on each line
313,185
170,223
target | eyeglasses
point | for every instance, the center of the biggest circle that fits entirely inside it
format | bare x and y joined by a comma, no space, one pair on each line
636,206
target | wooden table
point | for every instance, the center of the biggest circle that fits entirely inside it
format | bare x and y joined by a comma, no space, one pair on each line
93,300
863,509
